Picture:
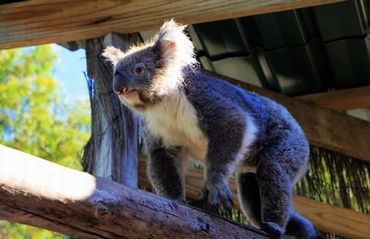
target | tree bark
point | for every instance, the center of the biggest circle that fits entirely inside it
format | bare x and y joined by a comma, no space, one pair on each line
43,194
112,149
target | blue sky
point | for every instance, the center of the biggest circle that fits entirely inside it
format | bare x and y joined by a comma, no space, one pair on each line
69,71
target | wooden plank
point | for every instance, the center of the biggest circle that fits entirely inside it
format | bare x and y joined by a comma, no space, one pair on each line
328,218
39,21
44,194
341,100
343,222
324,128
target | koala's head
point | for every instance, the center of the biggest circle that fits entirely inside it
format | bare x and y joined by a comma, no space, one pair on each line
146,74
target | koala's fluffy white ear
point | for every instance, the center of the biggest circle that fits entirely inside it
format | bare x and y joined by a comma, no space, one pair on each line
173,44
112,54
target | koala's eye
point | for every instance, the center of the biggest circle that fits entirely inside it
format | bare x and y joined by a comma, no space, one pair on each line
138,70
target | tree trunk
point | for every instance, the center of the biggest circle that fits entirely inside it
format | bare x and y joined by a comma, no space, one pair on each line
43,194
112,149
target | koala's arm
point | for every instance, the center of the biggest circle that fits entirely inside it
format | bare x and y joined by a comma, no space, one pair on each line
225,124
164,169
224,149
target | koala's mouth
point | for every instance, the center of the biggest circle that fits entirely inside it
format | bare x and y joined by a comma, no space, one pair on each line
125,91
137,97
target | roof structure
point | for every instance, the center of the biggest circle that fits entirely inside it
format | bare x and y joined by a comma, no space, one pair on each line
294,52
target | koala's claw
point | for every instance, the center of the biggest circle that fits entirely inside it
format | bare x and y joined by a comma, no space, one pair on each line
217,194
273,229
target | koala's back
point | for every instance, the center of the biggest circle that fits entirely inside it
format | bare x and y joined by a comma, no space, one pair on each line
217,101
201,87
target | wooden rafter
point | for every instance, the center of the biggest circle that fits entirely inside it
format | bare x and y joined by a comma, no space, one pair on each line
40,21
341,100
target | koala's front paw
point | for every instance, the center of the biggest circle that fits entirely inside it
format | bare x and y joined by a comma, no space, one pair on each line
216,193
274,230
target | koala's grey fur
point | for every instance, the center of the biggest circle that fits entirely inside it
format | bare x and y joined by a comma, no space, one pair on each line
190,114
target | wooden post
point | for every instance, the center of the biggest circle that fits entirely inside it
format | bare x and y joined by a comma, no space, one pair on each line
112,149
43,194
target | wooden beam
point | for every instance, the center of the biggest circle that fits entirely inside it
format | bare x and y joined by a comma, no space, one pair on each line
324,128
341,100
340,221
44,194
343,222
39,21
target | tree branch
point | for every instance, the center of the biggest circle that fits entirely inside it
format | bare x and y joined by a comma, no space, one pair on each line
43,194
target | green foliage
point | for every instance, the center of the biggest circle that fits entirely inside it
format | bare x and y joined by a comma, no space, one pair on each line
19,231
34,118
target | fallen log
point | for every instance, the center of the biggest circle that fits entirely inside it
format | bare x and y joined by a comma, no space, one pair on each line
43,194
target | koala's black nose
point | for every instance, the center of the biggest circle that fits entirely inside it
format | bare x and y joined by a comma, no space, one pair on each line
119,83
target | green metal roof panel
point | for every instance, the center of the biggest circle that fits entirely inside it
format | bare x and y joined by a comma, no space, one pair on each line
341,20
350,62
365,7
295,52
244,68
309,22
366,4
281,29
220,38
298,69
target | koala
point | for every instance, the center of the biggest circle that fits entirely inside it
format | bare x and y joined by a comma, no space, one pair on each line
189,114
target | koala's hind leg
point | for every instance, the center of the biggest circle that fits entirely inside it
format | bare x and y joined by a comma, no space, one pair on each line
275,194
249,197
279,164
165,172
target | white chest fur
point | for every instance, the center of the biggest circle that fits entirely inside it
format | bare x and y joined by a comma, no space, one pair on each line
175,121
